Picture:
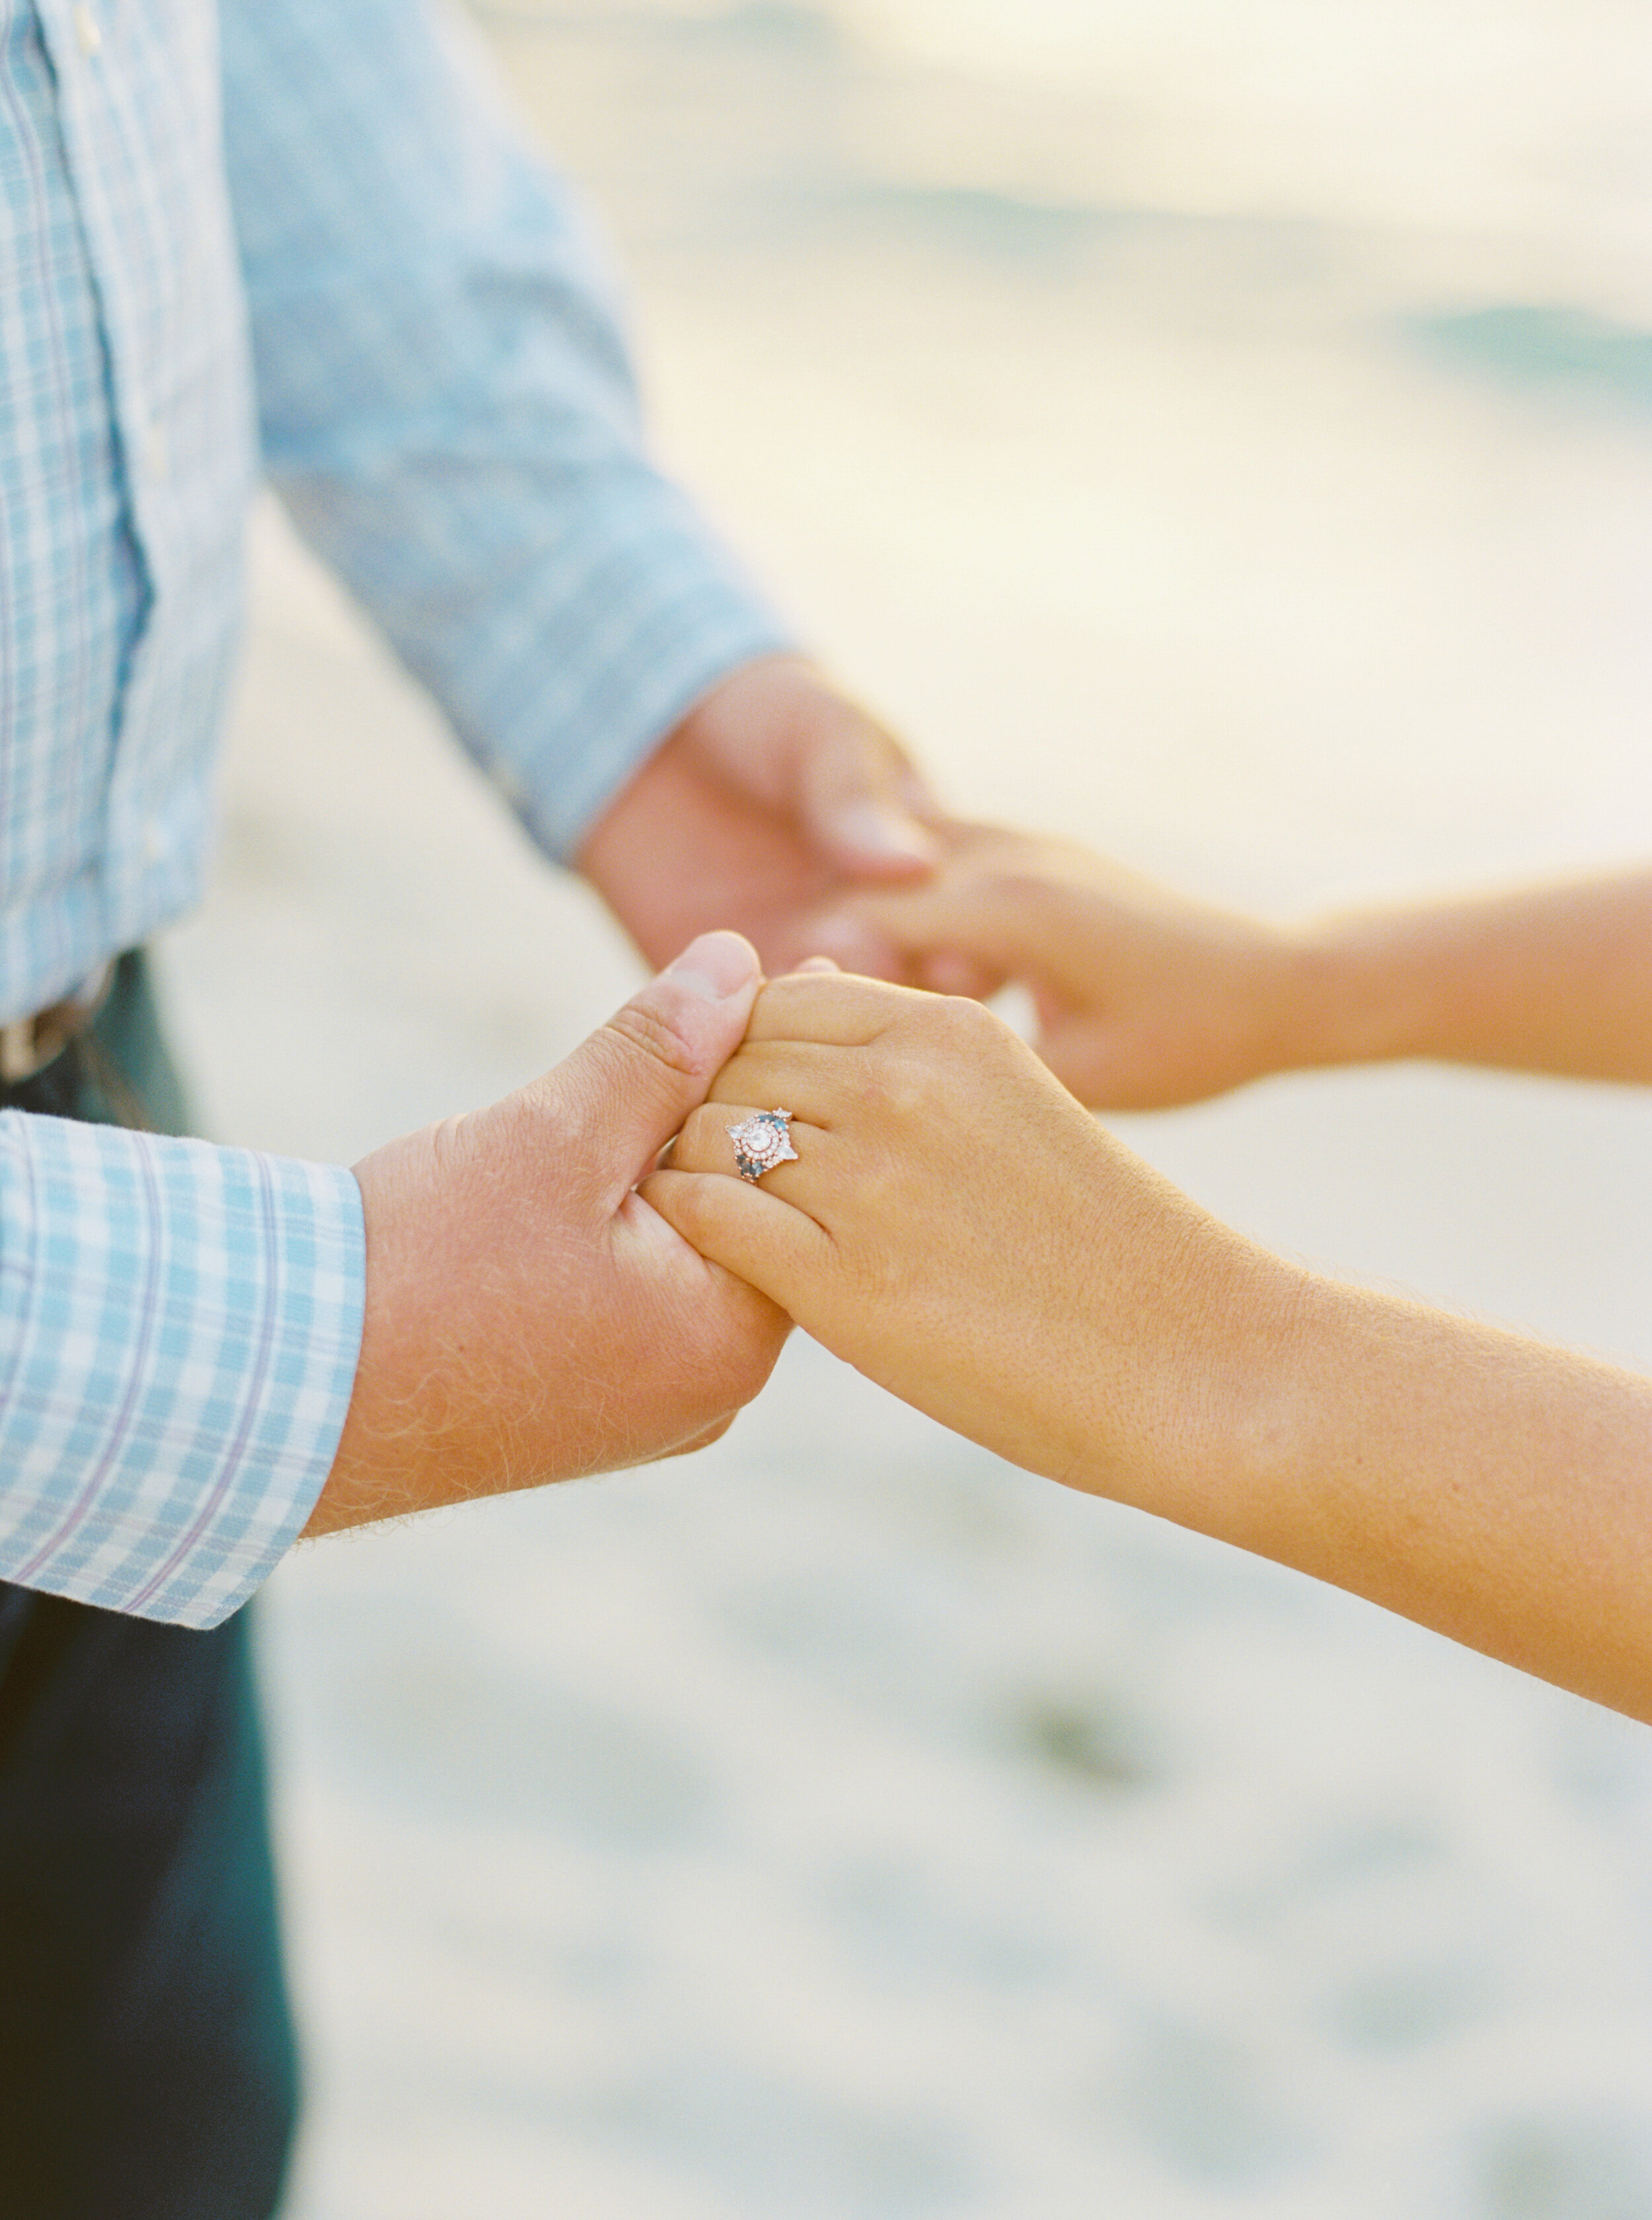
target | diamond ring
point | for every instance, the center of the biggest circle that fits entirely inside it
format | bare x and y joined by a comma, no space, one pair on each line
761,1142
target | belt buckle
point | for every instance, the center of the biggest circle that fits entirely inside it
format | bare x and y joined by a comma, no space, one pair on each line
28,1045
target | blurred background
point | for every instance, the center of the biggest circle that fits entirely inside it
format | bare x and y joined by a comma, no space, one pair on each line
1224,433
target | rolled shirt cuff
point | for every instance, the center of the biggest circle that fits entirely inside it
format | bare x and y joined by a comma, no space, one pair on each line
179,1329
573,636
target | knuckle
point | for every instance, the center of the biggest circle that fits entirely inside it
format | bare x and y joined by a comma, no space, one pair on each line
693,1209
960,1025
896,1087
955,1034
736,1361
658,1036
765,1336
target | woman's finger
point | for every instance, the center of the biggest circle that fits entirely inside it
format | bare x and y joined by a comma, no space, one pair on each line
779,1250
715,1138
807,1078
1004,923
836,1007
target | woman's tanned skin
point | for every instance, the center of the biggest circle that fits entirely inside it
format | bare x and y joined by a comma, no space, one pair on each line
960,1230
1146,997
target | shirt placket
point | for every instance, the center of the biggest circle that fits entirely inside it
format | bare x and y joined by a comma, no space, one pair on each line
138,92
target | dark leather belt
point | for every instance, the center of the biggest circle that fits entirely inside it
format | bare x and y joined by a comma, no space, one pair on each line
28,1045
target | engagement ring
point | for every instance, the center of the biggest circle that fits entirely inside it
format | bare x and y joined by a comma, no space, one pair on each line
761,1142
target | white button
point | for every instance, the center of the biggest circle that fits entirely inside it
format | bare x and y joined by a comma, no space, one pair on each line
155,840
157,456
88,31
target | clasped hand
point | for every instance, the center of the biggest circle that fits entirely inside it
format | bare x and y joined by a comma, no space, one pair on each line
961,1229
545,1299
957,1227
528,1317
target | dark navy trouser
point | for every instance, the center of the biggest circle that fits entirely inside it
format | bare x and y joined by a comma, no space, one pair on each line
147,2069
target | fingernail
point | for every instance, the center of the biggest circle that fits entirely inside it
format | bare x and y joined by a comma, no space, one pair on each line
945,974
715,967
876,830
818,964
841,939
850,944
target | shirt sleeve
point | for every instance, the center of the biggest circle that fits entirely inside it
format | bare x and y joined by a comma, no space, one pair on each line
447,406
179,1326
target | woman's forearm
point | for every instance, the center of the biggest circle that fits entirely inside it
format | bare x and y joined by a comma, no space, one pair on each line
1555,979
951,1222
1490,1487
1146,998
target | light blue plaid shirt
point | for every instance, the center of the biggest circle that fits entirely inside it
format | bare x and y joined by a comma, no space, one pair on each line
444,403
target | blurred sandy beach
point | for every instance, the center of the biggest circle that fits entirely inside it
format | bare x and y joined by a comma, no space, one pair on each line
1225,435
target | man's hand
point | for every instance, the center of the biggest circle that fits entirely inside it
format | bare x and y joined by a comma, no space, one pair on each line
529,1318
773,798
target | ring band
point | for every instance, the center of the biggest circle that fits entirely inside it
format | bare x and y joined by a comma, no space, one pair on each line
761,1142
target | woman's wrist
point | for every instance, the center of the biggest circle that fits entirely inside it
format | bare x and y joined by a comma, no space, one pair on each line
1260,1414
1192,1396
1369,987
1512,980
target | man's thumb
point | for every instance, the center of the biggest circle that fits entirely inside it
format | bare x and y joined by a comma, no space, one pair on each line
859,800
627,1089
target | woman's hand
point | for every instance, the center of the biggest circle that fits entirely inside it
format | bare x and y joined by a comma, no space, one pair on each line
960,1230
1144,997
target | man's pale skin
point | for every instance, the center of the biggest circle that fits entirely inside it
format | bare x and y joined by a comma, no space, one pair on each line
959,1228
773,798
527,1318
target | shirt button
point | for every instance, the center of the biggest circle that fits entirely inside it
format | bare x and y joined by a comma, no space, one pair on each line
157,457
89,31
155,840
